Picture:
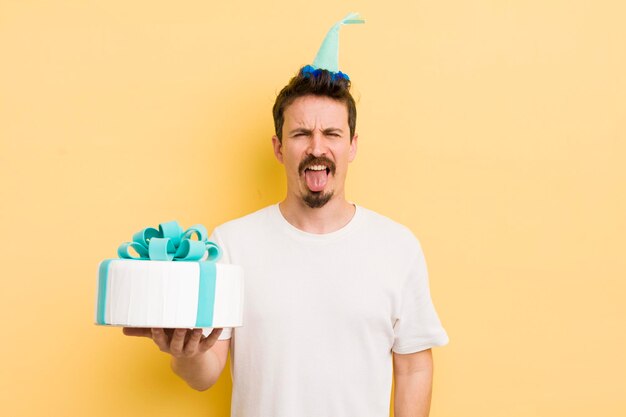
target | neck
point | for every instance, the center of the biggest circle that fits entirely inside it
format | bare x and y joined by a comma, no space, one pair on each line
331,217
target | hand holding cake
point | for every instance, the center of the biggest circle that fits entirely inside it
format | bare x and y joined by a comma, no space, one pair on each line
180,343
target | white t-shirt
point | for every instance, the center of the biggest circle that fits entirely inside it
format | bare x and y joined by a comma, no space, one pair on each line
323,313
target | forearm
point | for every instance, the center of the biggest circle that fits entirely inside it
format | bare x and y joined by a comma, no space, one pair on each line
412,393
200,372
413,378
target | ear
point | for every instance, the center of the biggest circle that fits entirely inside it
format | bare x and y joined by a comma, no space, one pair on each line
278,148
353,148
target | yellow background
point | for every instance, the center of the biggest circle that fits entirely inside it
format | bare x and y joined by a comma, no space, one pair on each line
493,129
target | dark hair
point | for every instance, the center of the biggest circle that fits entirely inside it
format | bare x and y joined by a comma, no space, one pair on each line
321,83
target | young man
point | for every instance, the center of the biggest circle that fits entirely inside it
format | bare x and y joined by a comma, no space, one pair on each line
337,298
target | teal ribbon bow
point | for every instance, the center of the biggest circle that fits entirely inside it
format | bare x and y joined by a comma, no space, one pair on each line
170,243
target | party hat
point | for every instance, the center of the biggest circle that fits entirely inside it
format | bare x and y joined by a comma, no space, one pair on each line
327,57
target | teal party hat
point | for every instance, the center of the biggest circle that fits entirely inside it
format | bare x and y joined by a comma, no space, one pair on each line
327,57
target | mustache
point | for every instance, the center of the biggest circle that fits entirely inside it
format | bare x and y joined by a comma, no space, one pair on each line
316,160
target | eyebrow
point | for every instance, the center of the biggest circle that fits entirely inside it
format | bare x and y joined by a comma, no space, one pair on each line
299,130
308,131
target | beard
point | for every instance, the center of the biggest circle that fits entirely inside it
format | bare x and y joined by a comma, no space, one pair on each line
317,199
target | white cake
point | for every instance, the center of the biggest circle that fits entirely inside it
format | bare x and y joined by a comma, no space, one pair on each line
169,294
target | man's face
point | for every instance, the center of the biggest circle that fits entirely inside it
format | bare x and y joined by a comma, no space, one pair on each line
315,149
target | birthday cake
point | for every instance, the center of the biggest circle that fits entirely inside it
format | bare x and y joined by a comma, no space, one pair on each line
173,280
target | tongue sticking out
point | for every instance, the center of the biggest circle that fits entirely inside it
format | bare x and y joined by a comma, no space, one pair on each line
316,180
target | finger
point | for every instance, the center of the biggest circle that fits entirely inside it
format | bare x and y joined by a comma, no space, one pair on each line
188,336
208,342
191,347
161,340
178,341
137,331
169,333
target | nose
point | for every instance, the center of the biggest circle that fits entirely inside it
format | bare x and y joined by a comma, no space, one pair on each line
316,144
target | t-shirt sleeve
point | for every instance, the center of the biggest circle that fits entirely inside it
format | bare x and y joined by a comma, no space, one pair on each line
417,326
227,332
